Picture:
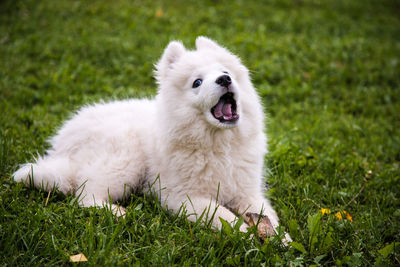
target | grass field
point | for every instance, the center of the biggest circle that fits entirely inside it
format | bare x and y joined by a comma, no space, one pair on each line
328,73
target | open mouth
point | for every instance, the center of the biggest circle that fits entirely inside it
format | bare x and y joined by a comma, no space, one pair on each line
225,110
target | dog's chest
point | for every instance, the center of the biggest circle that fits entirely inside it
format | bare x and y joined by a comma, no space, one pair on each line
217,173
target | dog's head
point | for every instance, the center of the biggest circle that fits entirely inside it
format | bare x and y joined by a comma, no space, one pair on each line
207,83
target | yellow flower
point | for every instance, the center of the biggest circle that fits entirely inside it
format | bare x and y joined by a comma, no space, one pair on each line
325,211
348,216
339,215
159,13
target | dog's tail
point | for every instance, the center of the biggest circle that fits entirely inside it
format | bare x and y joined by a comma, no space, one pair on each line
46,173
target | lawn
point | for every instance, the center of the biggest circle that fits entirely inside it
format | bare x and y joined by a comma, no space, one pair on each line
328,73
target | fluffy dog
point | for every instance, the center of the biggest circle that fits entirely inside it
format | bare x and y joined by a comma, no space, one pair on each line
200,143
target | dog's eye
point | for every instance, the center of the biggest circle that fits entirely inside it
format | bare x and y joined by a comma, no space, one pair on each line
197,83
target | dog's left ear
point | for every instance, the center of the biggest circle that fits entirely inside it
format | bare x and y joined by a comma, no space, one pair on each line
171,55
206,43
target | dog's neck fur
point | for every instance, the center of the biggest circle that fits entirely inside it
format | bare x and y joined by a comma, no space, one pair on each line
198,136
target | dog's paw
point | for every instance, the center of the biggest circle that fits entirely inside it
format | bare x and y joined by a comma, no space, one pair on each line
118,211
264,227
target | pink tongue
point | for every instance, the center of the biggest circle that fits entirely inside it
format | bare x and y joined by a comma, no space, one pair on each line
227,110
223,109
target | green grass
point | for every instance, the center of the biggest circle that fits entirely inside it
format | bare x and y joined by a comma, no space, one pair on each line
328,73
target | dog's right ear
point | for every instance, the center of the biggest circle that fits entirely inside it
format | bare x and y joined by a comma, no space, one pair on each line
172,53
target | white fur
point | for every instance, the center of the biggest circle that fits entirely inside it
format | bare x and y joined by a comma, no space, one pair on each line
202,163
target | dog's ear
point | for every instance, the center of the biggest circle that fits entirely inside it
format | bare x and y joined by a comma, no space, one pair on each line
204,42
171,54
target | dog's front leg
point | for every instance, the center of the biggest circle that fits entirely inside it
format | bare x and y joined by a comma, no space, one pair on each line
253,206
207,209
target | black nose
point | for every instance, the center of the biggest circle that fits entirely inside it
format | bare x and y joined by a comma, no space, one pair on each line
224,80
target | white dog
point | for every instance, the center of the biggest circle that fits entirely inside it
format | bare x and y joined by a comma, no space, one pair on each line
203,136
